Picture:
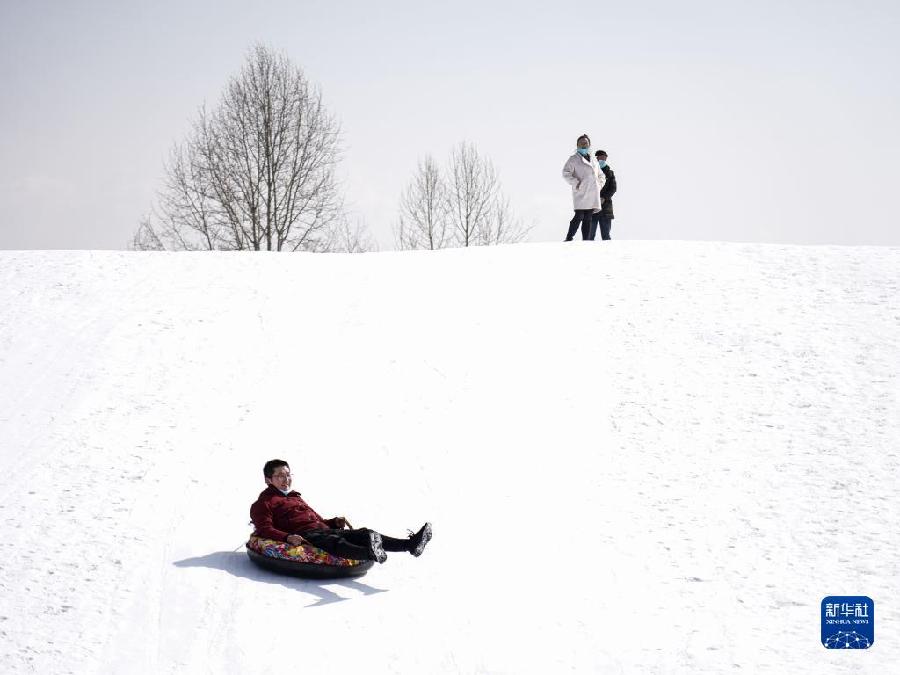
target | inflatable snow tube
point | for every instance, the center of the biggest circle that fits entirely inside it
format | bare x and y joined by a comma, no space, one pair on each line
303,561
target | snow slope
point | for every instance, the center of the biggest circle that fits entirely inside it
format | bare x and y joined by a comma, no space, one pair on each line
638,457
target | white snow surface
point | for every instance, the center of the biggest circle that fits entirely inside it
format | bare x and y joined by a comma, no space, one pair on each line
638,457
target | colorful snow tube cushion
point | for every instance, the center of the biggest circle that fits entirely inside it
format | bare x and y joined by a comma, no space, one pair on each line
303,560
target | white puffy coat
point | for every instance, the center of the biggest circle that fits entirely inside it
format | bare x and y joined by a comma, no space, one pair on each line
586,179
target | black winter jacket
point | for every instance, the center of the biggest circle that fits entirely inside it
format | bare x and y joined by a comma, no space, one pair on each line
609,189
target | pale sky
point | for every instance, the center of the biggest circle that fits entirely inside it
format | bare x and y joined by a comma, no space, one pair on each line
739,121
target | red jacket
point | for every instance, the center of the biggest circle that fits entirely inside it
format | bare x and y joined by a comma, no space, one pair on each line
276,515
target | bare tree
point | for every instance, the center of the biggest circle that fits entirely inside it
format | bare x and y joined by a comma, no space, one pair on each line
256,172
423,209
351,237
503,227
146,239
479,213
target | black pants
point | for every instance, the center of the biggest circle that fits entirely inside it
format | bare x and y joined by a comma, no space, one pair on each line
605,224
582,216
351,544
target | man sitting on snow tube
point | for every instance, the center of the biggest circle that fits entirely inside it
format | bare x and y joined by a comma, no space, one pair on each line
281,514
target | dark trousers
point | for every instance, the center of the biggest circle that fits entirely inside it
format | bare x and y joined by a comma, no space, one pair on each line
605,223
582,216
351,544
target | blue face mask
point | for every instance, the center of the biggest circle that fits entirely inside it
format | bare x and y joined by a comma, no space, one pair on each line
584,152
601,162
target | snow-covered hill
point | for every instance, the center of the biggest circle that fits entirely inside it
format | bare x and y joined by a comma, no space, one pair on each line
637,456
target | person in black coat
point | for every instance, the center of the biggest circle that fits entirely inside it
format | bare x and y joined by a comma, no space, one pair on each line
604,217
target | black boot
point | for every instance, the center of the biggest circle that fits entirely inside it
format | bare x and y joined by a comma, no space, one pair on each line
376,550
419,540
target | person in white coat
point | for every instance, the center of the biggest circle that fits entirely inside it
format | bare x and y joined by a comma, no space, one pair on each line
583,174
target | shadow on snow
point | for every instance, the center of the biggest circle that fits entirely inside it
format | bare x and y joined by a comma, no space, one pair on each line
238,564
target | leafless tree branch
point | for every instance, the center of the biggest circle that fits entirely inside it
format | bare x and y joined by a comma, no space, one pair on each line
424,218
467,208
257,171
